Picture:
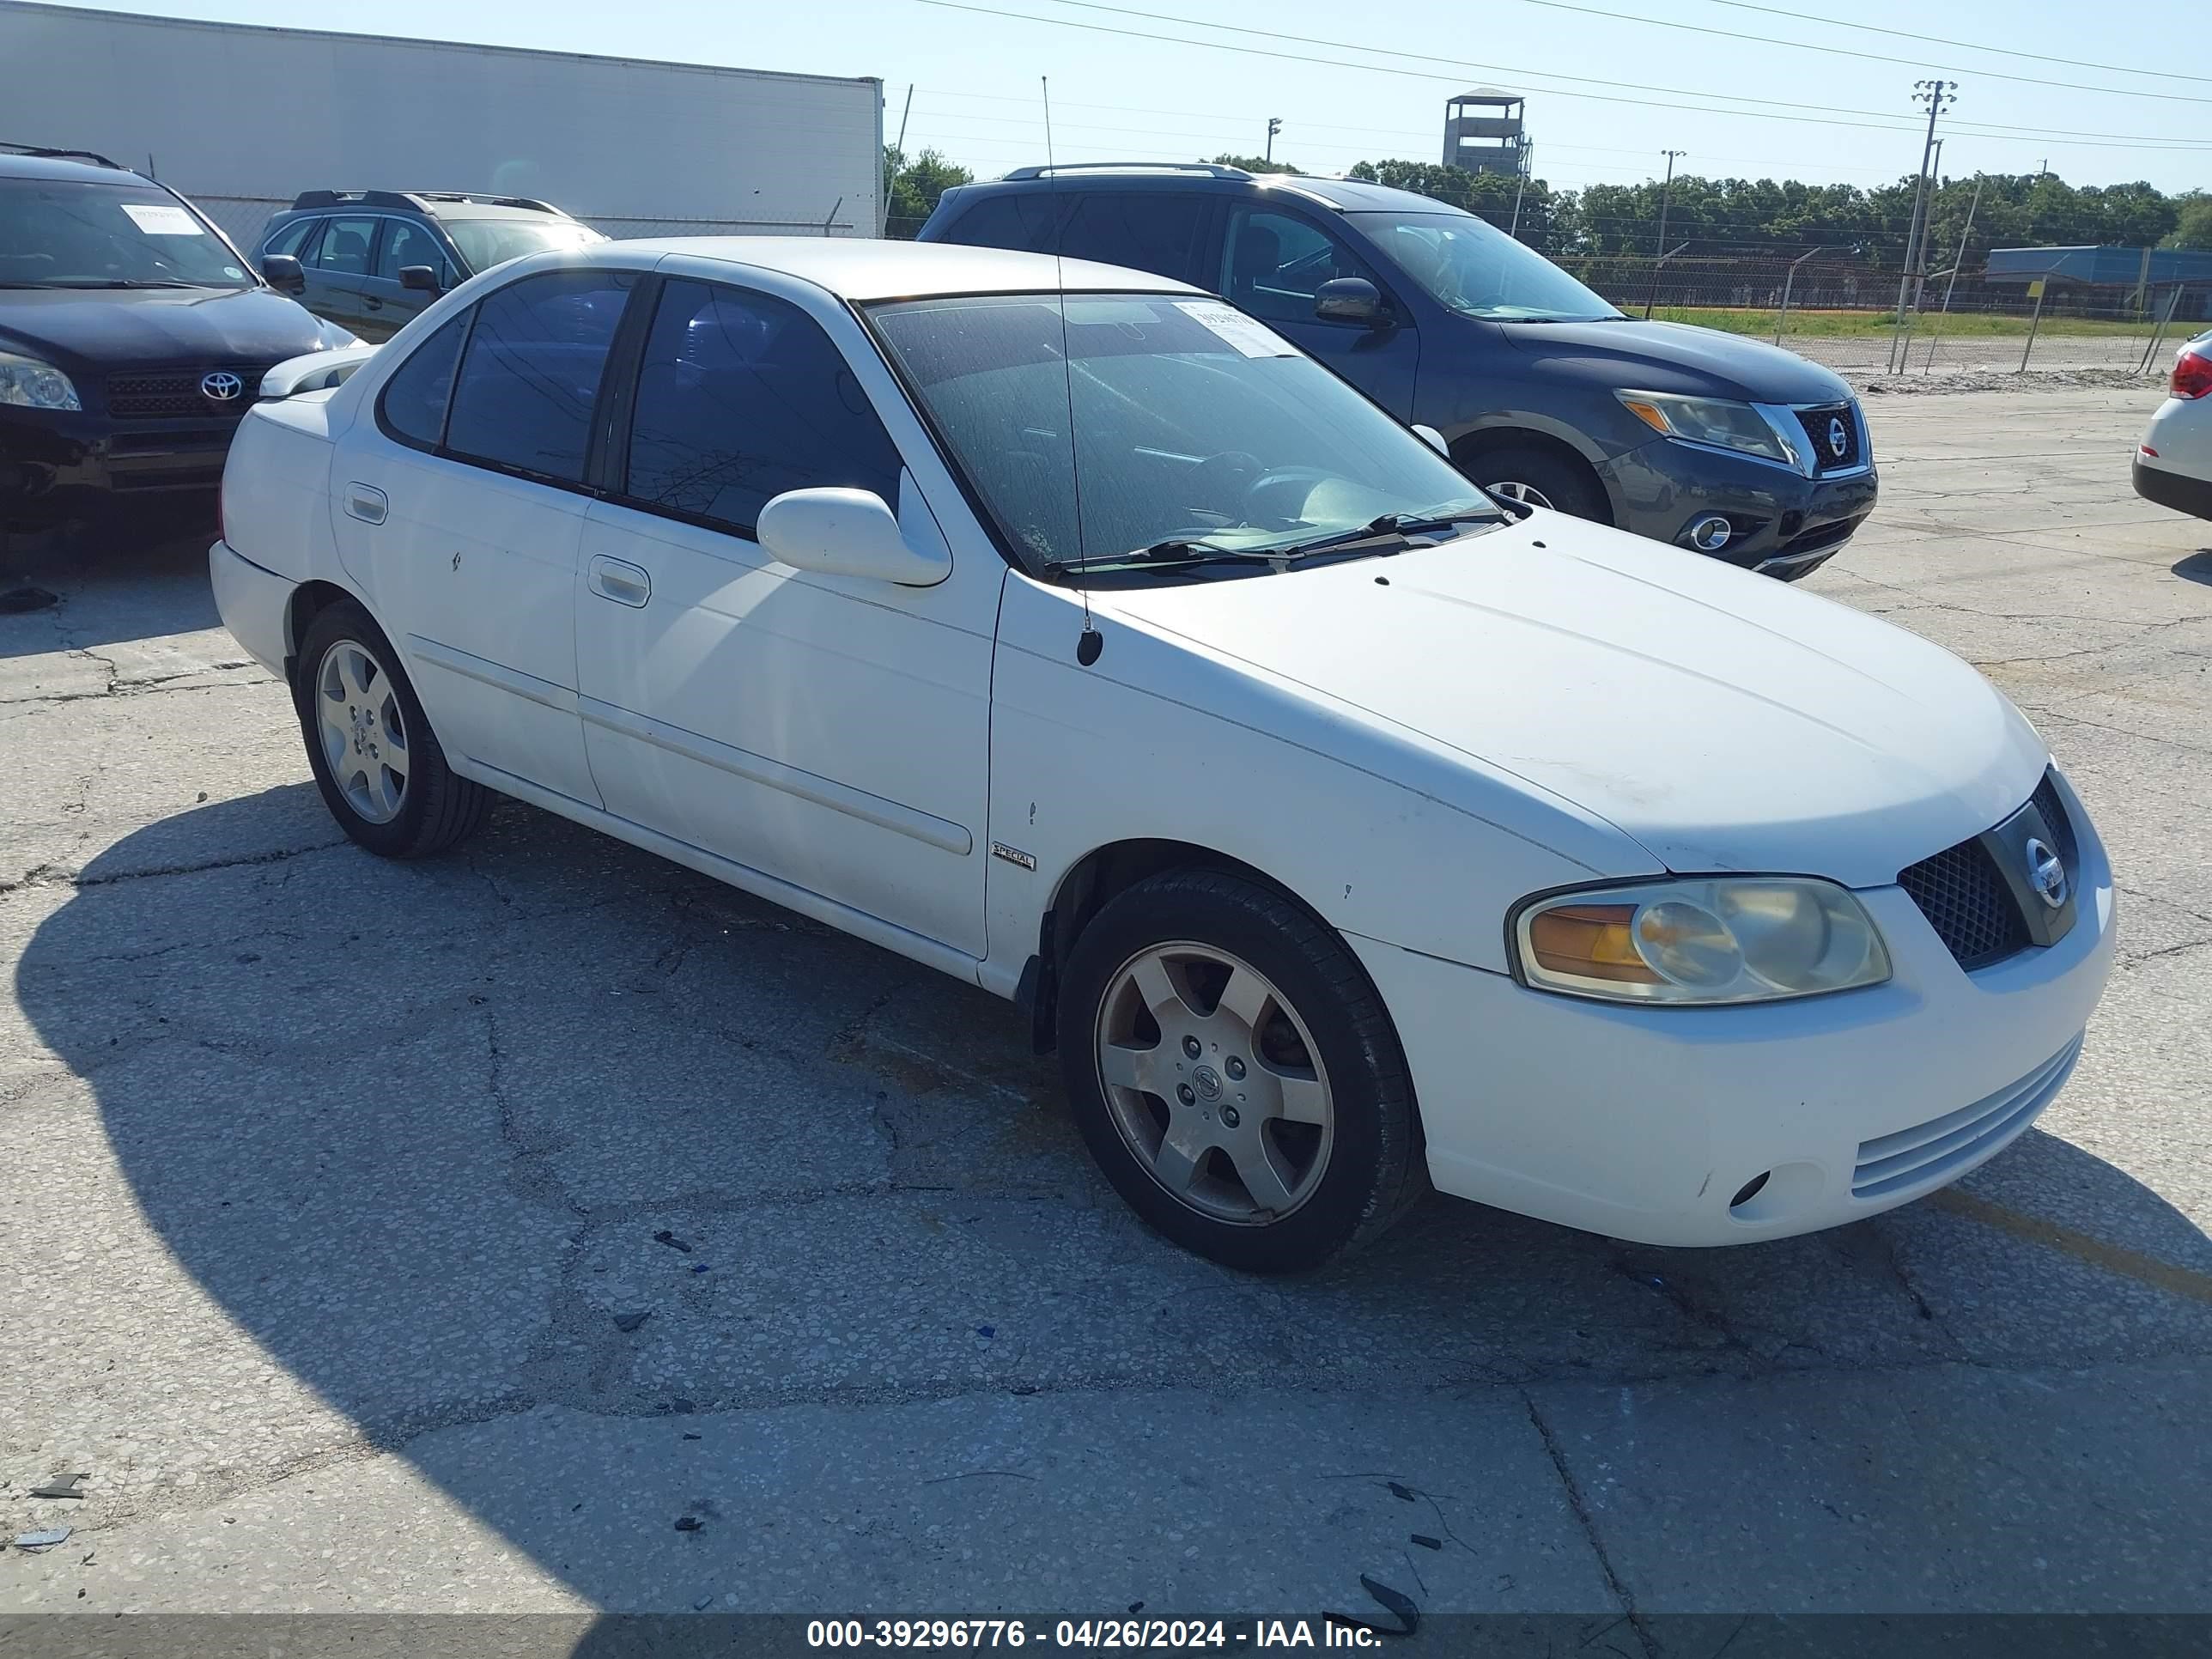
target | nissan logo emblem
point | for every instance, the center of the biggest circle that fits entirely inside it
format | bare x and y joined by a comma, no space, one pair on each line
1840,438
222,386
2046,874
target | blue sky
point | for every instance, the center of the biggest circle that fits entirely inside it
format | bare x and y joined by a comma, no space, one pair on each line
975,77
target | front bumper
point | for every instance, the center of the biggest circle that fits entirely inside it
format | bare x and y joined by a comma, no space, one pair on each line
1646,1124
1786,524
2175,489
57,467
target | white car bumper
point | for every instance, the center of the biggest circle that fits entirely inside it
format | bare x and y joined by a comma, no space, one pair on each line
1645,1124
254,604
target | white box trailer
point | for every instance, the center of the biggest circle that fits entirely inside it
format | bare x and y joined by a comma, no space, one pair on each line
241,119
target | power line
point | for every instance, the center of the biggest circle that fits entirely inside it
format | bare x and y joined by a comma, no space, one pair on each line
1242,122
2118,140
1840,52
1965,46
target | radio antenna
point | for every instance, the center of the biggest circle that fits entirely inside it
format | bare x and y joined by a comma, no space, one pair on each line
1090,643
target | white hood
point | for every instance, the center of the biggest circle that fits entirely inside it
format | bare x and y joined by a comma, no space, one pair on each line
1722,720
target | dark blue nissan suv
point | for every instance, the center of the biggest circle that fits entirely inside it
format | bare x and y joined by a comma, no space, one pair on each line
1544,392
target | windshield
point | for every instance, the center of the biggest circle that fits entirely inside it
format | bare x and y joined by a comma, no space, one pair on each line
488,242
1475,268
1192,424
68,233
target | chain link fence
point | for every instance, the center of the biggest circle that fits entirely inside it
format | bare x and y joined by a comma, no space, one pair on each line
1842,311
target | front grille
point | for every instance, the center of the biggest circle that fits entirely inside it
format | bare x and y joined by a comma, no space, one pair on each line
2062,827
1819,424
1968,903
160,394
1929,1153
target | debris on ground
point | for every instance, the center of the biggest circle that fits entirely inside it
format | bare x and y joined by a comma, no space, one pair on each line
35,1541
986,1330
689,1523
63,1486
631,1321
1399,1603
1427,1542
1403,1494
16,601
703,1602
664,1236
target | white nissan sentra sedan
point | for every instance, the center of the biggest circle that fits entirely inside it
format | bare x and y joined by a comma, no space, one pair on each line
1068,631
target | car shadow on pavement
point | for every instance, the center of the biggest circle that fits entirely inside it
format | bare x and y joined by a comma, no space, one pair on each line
2196,568
613,1199
112,587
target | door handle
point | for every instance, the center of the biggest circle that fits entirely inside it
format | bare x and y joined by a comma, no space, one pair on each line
625,584
366,502
372,302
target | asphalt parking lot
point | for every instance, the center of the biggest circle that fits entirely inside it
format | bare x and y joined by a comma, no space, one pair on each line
435,1237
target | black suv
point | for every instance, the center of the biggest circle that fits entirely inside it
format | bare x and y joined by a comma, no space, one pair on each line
133,337
369,260
1543,391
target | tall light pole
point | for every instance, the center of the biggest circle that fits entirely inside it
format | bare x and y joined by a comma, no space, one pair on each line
1659,254
1936,94
1275,126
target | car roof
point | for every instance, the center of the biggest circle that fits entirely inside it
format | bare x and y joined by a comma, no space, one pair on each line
859,269
1345,195
55,166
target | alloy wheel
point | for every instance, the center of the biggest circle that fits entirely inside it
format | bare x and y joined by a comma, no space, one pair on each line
1214,1082
363,731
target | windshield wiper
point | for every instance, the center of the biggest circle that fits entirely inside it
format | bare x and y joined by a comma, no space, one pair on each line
1398,527
111,282
1174,554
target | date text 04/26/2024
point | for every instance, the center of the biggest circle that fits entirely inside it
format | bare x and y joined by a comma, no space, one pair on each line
1088,1633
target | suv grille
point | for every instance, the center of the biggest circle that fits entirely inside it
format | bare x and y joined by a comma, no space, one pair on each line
1819,432
2062,827
168,392
1968,903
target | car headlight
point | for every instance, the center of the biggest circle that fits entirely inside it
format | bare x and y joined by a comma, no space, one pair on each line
29,384
1716,939
1718,423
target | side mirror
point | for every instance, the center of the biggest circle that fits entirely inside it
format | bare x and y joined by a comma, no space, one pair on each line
423,279
1349,300
1434,439
846,533
282,272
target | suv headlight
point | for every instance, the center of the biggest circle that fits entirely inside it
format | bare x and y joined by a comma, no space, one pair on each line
1719,424
1721,939
29,384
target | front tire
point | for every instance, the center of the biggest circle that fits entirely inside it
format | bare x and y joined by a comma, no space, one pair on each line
1523,475
1235,1075
375,758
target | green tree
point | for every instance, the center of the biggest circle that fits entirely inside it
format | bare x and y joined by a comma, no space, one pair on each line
1255,164
2192,221
911,188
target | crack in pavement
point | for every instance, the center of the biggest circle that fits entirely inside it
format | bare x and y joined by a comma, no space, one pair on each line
1580,1508
51,875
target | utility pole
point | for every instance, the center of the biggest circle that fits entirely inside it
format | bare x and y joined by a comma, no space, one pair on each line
1659,254
1275,126
1936,94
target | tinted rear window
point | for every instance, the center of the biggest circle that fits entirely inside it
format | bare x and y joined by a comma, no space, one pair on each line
532,373
1152,230
414,401
1019,220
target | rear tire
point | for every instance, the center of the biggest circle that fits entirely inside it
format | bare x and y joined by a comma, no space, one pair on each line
375,758
1525,474
1235,1075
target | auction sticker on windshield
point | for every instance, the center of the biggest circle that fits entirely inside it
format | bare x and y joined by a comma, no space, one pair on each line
1251,338
159,219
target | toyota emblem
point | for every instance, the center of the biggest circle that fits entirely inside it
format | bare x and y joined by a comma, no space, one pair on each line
1840,438
222,386
2046,874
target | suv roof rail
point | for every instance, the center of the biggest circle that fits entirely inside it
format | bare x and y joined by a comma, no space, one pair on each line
1211,169
42,150
420,200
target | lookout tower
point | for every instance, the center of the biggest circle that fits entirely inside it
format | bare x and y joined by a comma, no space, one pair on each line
1483,132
